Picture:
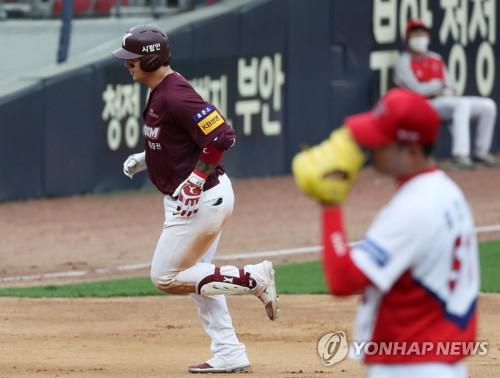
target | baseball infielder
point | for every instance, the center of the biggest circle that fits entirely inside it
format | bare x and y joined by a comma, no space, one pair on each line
185,139
417,265
424,72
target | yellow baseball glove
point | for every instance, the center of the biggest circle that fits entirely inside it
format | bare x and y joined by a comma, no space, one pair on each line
327,171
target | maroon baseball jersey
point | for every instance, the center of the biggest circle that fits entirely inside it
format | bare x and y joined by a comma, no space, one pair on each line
178,125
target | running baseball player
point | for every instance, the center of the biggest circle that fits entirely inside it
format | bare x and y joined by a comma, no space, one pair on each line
424,72
417,265
185,139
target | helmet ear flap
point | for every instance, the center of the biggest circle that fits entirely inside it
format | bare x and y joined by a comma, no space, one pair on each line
150,63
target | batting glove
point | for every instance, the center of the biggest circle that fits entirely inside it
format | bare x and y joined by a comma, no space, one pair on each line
135,163
188,194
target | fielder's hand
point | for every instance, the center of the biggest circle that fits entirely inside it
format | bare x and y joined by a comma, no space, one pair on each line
327,171
135,163
188,194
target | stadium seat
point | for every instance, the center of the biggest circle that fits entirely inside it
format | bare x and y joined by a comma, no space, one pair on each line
80,7
103,7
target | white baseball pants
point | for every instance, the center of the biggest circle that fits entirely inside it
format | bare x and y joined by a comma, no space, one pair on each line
461,110
182,257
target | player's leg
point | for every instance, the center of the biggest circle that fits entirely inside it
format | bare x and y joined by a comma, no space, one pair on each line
485,111
209,280
458,110
183,241
255,279
228,352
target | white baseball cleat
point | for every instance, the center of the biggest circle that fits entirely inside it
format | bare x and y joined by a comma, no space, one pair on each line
206,368
265,290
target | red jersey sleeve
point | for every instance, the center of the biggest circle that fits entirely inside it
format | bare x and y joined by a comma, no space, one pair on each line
342,275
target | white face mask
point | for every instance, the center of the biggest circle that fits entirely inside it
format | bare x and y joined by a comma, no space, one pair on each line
419,44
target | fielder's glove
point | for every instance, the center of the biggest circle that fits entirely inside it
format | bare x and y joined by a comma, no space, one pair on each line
327,171
135,163
188,194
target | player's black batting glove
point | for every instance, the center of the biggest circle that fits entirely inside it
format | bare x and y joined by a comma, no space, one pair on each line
188,194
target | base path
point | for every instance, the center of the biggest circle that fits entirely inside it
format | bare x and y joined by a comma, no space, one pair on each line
101,233
146,337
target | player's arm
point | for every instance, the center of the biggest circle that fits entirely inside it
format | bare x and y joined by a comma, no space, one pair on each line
212,154
326,173
343,277
135,163
189,191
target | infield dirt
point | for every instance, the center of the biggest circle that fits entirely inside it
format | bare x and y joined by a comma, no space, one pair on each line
161,336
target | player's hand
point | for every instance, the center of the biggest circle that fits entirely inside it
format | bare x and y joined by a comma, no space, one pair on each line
327,171
188,195
135,163
448,92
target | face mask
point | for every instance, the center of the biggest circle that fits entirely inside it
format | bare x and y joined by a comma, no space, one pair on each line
419,44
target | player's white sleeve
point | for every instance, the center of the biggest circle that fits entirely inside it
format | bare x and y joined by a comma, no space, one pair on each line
404,77
398,237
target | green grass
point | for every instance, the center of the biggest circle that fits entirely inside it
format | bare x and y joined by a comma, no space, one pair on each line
297,278
490,266
131,287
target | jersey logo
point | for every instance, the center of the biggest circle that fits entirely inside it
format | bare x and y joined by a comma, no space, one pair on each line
152,133
208,119
152,113
125,38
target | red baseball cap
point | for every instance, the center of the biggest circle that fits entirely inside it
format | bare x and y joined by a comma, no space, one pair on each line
400,116
414,25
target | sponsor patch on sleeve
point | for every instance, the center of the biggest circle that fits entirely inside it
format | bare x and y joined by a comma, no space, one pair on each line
208,119
377,254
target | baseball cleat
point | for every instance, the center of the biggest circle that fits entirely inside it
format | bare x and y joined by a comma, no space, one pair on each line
206,368
269,296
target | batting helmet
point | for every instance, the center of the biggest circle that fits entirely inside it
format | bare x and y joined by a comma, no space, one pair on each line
147,43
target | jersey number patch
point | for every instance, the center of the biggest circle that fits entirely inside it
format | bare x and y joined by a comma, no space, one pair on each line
456,264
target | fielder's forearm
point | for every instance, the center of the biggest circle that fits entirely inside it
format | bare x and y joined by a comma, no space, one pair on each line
342,275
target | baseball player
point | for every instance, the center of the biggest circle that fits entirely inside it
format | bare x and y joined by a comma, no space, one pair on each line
185,139
417,265
424,72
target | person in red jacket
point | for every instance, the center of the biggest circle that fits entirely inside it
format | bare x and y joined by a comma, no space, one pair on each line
424,72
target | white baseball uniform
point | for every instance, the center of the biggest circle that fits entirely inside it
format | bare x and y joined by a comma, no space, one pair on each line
421,255
174,251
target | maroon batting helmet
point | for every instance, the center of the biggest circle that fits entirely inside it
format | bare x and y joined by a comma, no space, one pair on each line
147,43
